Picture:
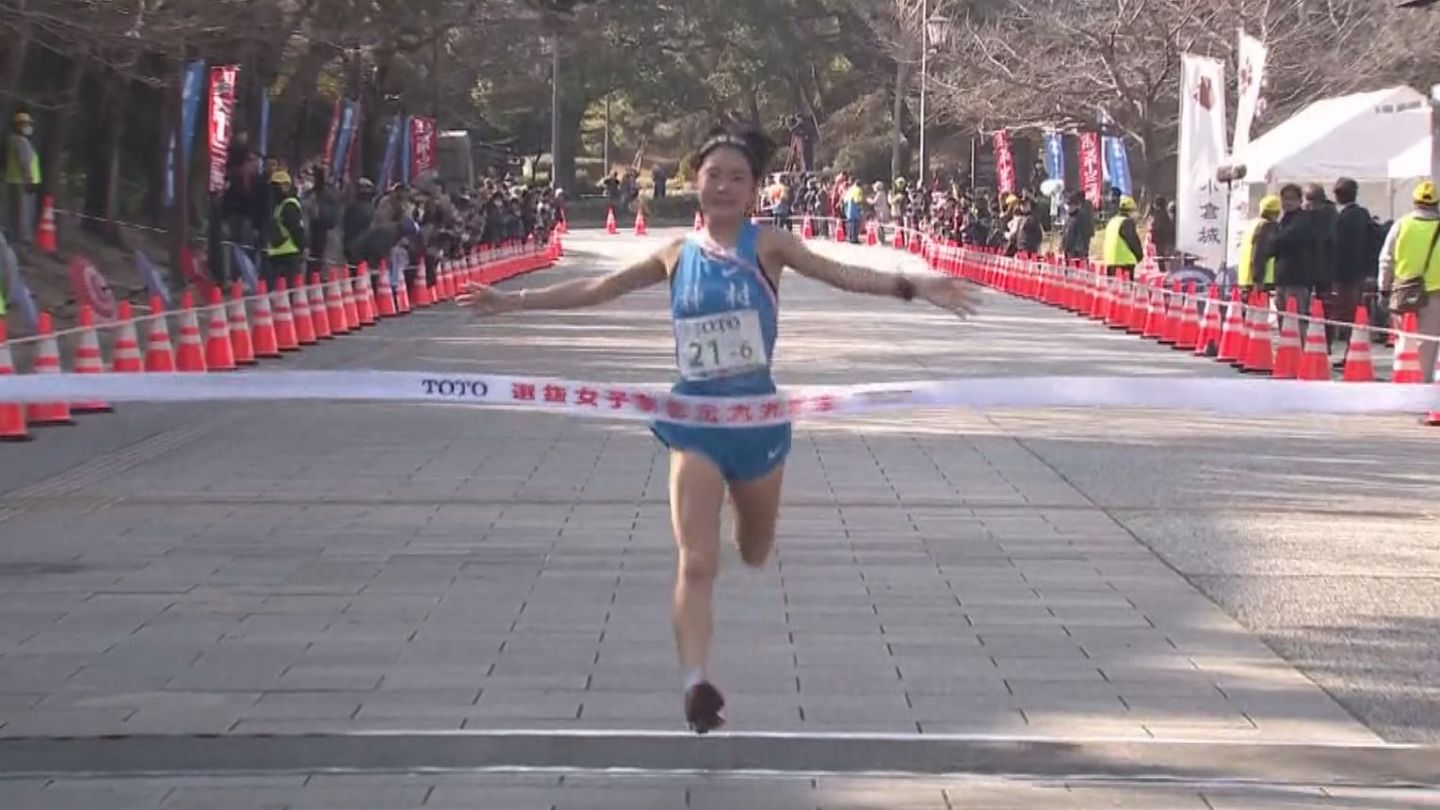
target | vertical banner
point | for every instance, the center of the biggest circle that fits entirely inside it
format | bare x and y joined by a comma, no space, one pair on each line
263,147
222,114
192,88
1117,161
336,166
424,143
1250,54
392,154
14,288
1054,147
1199,197
1090,169
406,128
357,130
1004,162
332,135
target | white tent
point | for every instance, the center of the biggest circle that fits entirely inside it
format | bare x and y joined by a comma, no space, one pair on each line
1380,138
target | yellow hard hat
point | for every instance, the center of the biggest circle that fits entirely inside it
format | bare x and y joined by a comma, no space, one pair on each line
281,177
1270,204
1127,203
1425,193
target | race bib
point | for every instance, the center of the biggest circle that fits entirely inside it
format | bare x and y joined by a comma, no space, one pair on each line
725,344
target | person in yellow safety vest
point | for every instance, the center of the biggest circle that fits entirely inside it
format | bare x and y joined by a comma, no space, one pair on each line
1122,249
1255,250
284,256
1412,250
22,180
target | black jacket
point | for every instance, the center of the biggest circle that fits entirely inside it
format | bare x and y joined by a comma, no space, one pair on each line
1298,248
1325,216
1357,245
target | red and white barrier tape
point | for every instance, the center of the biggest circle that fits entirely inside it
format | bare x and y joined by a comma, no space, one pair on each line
651,403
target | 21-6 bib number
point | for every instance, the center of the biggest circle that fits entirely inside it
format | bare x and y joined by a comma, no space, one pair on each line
721,345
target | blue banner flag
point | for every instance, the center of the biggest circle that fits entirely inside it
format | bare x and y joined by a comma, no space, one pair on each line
392,153
342,140
264,142
191,90
1055,155
152,277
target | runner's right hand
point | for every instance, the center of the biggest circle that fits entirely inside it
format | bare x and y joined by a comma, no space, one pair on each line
487,300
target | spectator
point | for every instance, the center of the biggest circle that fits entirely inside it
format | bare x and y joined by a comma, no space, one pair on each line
322,204
1257,262
1358,239
1123,249
1412,251
1298,252
286,232
1324,213
359,215
22,180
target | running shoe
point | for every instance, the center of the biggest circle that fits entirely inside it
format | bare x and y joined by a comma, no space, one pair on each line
703,703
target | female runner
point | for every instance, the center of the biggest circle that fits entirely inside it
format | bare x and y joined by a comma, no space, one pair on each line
723,285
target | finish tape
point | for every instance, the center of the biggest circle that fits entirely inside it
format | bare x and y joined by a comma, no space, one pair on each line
656,403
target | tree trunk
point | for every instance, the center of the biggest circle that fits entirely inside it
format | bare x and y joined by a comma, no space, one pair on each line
12,73
897,115
563,161
55,136
102,156
290,109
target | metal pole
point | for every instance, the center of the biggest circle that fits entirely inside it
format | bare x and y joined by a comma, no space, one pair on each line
924,70
1435,132
605,169
555,181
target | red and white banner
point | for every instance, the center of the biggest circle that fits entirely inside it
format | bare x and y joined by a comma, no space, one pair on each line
1004,162
643,403
1200,199
424,146
1092,169
222,115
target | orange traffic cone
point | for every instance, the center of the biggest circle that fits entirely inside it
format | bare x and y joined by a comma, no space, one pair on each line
872,233
319,310
1407,352
700,221
89,360
1259,352
335,306
1188,334
126,357
304,319
45,230
839,230
365,296
263,339
349,307
219,351
240,344
47,361
1287,355
610,228
1154,313
898,242
1208,343
402,299
12,414
159,353
1232,336
807,227
1170,330
1359,365
640,229
420,292
285,338
1315,360
385,297
191,355
914,241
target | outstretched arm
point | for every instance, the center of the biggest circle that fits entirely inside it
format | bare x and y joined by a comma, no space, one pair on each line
576,293
942,291
794,254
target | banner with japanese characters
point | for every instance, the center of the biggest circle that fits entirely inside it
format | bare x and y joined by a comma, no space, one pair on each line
424,146
1200,199
1090,169
1004,162
1054,155
222,115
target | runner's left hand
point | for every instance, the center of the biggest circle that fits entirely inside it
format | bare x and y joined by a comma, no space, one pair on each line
956,295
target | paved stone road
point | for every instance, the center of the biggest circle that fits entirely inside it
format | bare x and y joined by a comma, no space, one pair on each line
307,567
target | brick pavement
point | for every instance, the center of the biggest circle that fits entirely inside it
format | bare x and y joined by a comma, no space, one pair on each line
309,567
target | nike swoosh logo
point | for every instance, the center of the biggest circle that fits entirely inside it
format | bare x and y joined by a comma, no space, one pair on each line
774,453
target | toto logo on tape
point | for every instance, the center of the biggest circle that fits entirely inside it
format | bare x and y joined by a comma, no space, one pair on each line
457,388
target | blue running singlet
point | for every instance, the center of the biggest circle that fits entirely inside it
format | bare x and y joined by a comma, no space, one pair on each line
724,310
